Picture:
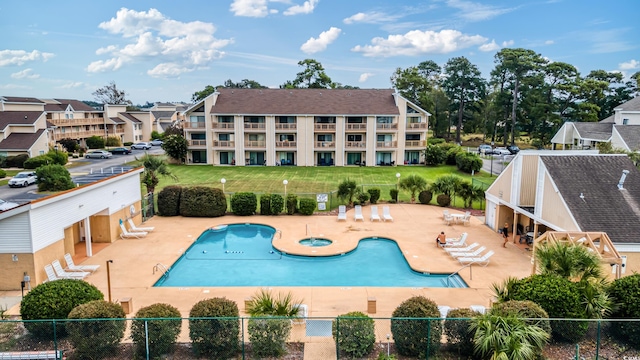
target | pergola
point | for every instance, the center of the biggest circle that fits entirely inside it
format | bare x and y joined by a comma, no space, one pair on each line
597,242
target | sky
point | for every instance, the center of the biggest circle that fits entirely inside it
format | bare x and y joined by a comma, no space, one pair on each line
167,50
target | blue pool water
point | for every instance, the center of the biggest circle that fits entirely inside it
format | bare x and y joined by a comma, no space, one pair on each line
242,255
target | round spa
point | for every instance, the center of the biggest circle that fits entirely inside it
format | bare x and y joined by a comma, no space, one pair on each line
315,242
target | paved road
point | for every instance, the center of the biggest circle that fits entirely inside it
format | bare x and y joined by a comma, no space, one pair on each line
495,164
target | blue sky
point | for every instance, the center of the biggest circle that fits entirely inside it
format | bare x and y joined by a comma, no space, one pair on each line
166,50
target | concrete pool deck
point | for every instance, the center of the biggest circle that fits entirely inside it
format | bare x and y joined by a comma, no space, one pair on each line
414,228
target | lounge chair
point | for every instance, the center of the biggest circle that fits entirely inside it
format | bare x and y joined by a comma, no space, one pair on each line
467,218
457,254
71,266
444,310
386,214
51,275
464,249
134,228
61,273
358,215
453,243
374,214
342,213
128,234
478,308
482,260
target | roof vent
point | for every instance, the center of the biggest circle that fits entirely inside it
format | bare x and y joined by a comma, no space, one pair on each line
624,176
25,117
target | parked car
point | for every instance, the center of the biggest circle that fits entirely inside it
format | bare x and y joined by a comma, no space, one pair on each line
501,151
513,149
485,149
141,146
22,179
156,142
6,205
98,154
120,151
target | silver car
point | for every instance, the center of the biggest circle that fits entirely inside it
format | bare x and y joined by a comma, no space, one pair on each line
98,154
23,179
141,146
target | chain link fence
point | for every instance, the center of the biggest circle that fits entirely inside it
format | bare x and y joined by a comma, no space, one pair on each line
297,338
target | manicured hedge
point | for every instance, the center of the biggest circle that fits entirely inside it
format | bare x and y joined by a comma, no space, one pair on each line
162,329
277,204
265,204
217,336
96,339
307,206
244,203
202,201
626,293
416,337
37,161
169,200
354,334
374,195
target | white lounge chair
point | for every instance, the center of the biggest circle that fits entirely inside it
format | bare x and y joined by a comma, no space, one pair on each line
482,260
134,228
51,275
444,310
464,249
71,266
453,243
61,273
303,313
342,213
478,308
386,214
374,214
457,254
128,234
358,215
467,218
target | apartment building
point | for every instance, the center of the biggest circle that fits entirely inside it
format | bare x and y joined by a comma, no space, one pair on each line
23,126
163,115
305,127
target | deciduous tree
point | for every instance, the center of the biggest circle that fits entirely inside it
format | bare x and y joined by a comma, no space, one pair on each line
109,94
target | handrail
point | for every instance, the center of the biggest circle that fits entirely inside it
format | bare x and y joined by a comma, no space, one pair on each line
278,232
457,273
160,266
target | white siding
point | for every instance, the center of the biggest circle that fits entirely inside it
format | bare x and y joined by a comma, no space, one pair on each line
15,235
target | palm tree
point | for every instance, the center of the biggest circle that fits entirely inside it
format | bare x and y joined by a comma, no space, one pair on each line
413,184
347,190
265,303
154,166
507,338
446,184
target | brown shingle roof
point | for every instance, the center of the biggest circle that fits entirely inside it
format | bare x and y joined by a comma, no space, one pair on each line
18,118
130,117
306,101
605,207
20,141
17,99
63,103
117,120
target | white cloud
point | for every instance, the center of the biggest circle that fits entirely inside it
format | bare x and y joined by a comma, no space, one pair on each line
314,45
629,65
250,8
372,17
365,76
492,46
20,57
508,43
549,42
25,74
418,42
306,8
71,85
476,11
175,46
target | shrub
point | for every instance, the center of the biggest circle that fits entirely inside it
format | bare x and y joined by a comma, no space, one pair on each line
626,293
54,300
458,331
54,178
451,153
95,142
468,162
354,334
127,143
17,161
37,161
559,297
265,204
218,337
202,201
277,204
435,141
269,336
96,339
244,203
307,206
292,204
169,201
425,196
112,141
394,194
70,145
374,195
362,197
434,155
523,309
2,173
59,157
162,333
416,337
443,200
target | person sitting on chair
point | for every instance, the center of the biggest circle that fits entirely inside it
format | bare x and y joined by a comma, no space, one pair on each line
441,240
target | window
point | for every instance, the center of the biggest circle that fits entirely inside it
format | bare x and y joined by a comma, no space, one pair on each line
354,120
198,136
196,118
413,119
387,137
254,119
384,120
326,137
286,119
354,137
223,137
225,119
256,137
412,137
325,119
411,110
625,121
287,137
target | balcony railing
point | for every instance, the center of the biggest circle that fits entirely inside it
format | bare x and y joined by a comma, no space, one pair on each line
356,126
325,127
254,126
417,126
355,144
77,122
224,143
217,125
194,125
415,143
382,126
386,144
197,143
255,143
325,144
286,144
79,134
286,126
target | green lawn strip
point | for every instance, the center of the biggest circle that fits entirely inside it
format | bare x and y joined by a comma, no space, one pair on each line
10,174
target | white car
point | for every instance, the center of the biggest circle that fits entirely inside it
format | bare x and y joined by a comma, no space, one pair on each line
23,179
501,151
141,146
98,154
156,142
5,205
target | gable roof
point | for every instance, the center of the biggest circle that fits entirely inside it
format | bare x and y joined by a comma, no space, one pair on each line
631,105
63,103
18,118
18,99
130,117
305,101
594,130
630,134
604,208
117,120
163,114
20,141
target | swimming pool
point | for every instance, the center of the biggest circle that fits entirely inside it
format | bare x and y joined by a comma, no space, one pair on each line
242,255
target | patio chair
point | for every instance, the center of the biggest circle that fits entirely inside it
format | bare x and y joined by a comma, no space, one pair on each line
374,214
358,215
456,243
467,218
342,213
51,275
386,214
128,234
464,249
483,260
134,228
448,219
71,266
457,254
61,273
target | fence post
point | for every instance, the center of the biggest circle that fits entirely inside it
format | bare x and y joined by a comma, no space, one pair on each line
428,338
337,337
242,330
598,340
55,337
577,352
146,338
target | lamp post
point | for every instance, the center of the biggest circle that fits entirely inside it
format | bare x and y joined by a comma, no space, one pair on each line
285,182
223,181
398,182
109,279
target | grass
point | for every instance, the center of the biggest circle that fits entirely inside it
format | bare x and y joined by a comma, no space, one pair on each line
10,174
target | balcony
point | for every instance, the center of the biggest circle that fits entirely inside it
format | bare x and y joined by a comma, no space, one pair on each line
255,143
392,126
415,143
224,144
352,127
82,134
194,125
224,126
77,122
386,144
197,143
255,126
286,144
325,144
355,144
324,127
417,126
286,126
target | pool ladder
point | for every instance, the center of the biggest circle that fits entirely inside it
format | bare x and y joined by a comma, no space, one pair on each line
448,281
161,267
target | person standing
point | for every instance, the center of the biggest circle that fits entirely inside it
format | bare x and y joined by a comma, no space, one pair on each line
505,234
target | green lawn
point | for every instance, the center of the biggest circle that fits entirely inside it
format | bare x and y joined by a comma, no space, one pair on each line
10,174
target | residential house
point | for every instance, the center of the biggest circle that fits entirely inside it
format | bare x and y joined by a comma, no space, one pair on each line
164,115
305,127
23,126
73,119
